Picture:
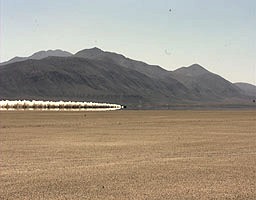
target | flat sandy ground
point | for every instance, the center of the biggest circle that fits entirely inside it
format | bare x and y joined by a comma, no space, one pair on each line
128,155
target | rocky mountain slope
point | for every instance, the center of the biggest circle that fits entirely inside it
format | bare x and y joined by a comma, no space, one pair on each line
95,75
206,85
247,88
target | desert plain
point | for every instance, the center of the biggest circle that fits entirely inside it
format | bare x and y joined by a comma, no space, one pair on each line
209,154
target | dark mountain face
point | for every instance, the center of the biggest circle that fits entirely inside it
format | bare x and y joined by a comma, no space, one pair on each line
83,79
95,75
39,55
248,89
97,54
206,85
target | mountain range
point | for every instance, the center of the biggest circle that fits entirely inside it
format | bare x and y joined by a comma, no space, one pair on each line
96,75
39,55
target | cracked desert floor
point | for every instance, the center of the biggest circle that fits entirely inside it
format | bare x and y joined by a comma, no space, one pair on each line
128,155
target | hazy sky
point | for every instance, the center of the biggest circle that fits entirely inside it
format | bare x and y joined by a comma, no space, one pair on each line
218,34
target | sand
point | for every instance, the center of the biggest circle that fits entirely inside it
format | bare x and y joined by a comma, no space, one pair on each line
128,155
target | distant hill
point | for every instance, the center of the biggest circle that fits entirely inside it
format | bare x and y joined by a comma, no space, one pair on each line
39,55
96,75
206,85
247,88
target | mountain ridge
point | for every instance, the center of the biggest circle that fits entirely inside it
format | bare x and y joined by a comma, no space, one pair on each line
96,75
192,70
248,89
39,55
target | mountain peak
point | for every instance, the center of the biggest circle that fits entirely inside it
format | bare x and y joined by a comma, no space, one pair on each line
43,54
89,53
196,67
248,89
39,55
95,49
192,70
